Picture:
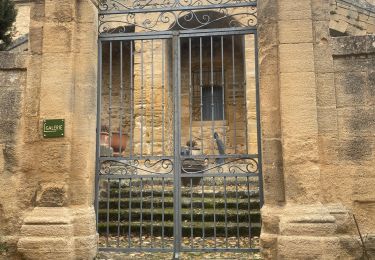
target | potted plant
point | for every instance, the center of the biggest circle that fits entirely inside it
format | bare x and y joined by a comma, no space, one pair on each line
104,135
119,142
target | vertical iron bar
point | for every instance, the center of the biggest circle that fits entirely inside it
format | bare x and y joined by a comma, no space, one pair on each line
214,192
121,100
152,97
118,212
259,132
212,95
110,94
201,90
225,211
142,96
248,209
190,101
191,214
177,145
141,214
130,213
223,88
203,218
152,212
234,97
245,86
163,211
238,223
131,97
98,130
108,198
162,95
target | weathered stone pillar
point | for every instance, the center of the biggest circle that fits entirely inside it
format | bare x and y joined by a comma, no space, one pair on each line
296,224
61,85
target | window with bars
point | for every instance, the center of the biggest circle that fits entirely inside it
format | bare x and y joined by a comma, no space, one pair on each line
208,96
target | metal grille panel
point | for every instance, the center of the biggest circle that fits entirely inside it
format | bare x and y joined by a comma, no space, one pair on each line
172,174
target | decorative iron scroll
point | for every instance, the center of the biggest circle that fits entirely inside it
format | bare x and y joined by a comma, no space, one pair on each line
147,5
112,167
176,19
234,166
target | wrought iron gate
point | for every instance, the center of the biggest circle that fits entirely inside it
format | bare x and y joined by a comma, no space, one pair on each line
178,140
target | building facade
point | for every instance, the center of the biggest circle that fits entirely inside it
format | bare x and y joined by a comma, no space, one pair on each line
316,113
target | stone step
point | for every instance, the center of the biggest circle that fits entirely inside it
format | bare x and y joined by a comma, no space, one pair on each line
157,202
157,228
230,215
197,193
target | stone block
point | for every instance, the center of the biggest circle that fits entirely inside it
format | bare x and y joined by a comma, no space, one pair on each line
87,12
326,93
268,61
350,88
37,11
301,182
54,158
36,39
271,125
10,104
298,104
296,57
12,78
268,35
295,31
86,39
320,10
292,10
323,58
337,24
371,88
349,45
57,83
356,122
51,195
272,152
356,150
327,120
351,63
267,11
273,179
86,73
321,32
61,13
328,150
7,130
363,187
57,38
10,60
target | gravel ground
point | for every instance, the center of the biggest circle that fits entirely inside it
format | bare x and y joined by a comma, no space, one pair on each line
157,242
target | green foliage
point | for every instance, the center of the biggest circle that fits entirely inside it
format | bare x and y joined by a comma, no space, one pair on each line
3,248
8,15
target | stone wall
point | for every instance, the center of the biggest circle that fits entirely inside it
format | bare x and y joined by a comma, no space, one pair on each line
352,17
12,83
317,115
347,129
47,185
